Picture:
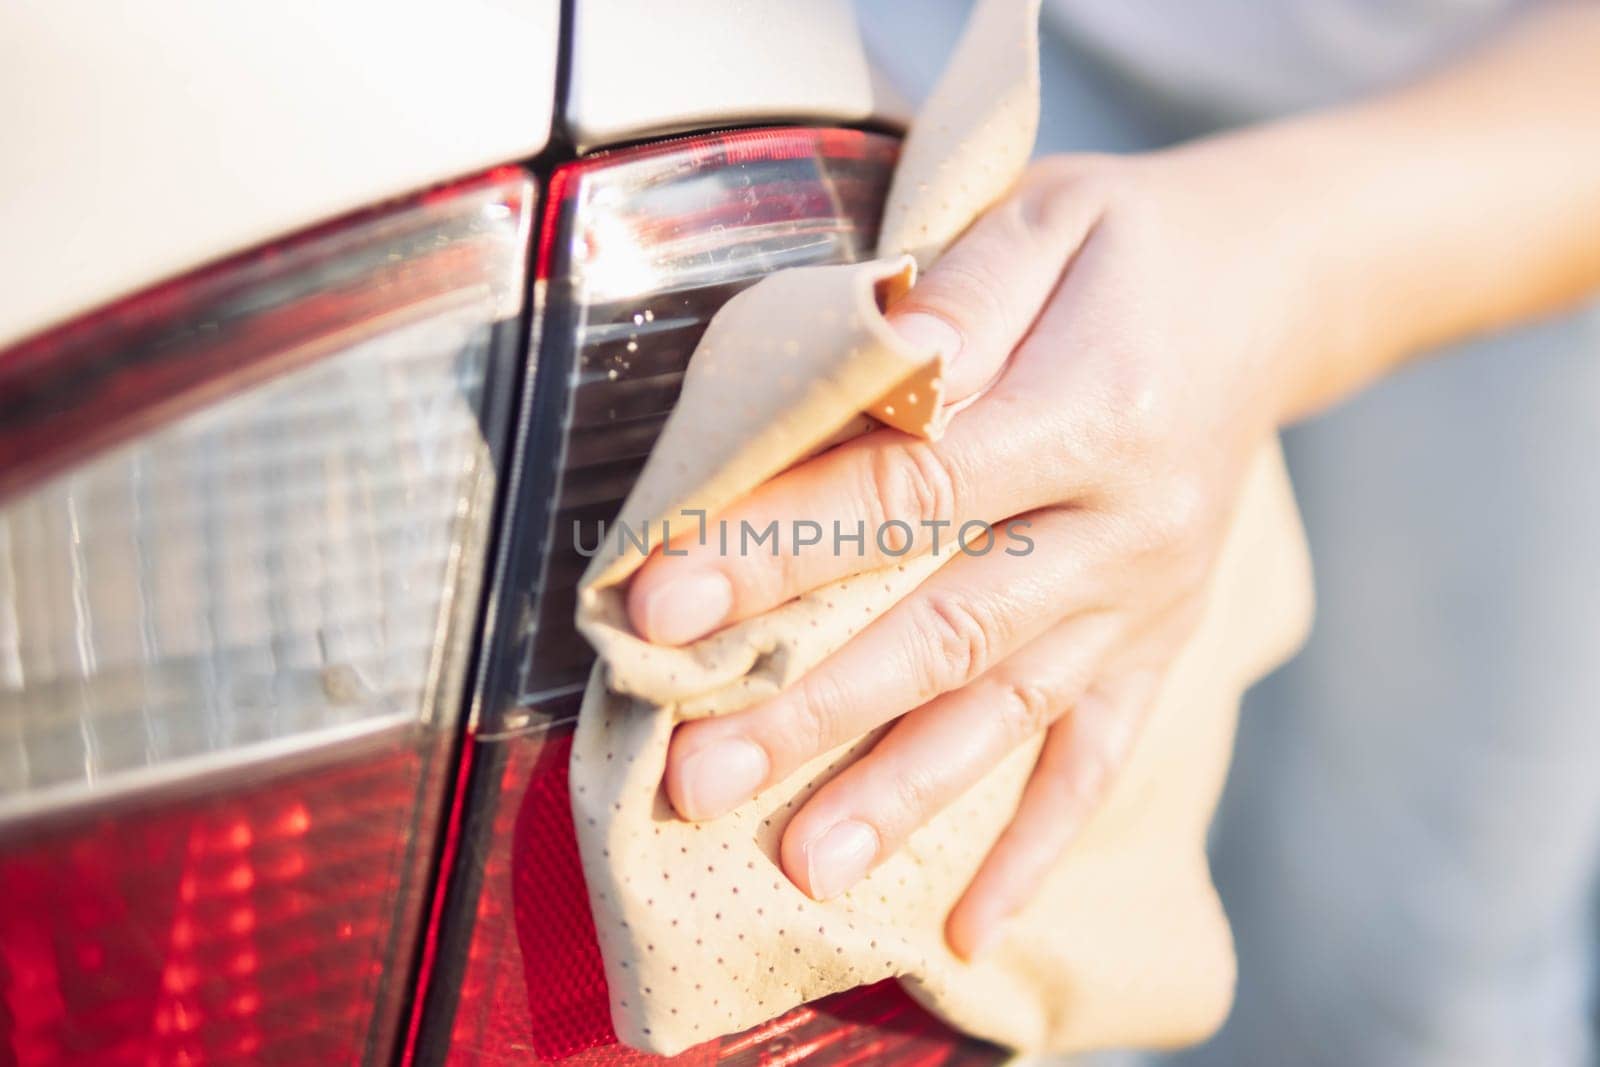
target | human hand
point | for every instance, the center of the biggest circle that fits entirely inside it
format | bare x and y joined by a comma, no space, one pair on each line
1115,337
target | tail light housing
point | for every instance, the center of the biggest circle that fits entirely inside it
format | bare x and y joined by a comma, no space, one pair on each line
287,579
241,534
637,250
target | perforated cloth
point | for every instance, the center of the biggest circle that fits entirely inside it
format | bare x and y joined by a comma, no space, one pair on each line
701,932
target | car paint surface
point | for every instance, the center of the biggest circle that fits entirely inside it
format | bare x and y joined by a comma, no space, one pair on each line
145,139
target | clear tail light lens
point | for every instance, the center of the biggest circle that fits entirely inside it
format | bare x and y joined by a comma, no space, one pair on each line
638,249
242,532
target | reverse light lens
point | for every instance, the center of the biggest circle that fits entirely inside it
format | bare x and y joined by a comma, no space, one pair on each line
639,248
241,540
266,572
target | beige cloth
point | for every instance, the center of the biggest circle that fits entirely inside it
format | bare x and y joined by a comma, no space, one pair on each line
701,932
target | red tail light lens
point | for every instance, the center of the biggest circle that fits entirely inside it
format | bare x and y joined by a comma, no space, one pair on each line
638,249
241,538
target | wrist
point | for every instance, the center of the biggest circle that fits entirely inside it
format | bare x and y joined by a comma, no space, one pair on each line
1460,204
1323,258
1234,217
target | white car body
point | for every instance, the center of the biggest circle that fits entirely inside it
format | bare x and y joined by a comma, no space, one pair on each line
141,140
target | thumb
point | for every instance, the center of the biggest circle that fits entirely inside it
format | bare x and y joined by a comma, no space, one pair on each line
981,297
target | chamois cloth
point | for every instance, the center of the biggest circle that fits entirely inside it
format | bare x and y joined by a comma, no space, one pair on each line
701,932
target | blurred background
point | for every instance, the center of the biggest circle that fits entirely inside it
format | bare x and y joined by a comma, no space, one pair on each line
1407,848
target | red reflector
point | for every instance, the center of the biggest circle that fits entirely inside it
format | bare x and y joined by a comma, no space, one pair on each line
550,908
214,933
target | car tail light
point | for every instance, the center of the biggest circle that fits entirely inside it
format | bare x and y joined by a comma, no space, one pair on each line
638,248
243,520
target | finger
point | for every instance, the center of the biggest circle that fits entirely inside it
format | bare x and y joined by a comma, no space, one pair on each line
934,754
997,459
859,507
1081,754
967,617
978,301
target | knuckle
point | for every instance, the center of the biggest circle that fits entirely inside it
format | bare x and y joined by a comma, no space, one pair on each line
1134,408
914,795
1052,203
1082,789
966,290
1057,191
779,577
757,578
1122,425
1180,519
811,724
1076,786
1059,790
1190,611
959,638
758,567
1025,708
912,483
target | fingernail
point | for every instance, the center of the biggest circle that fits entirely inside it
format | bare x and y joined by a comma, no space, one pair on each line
720,777
840,858
929,332
687,607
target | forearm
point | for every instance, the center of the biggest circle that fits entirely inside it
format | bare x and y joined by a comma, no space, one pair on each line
1460,204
